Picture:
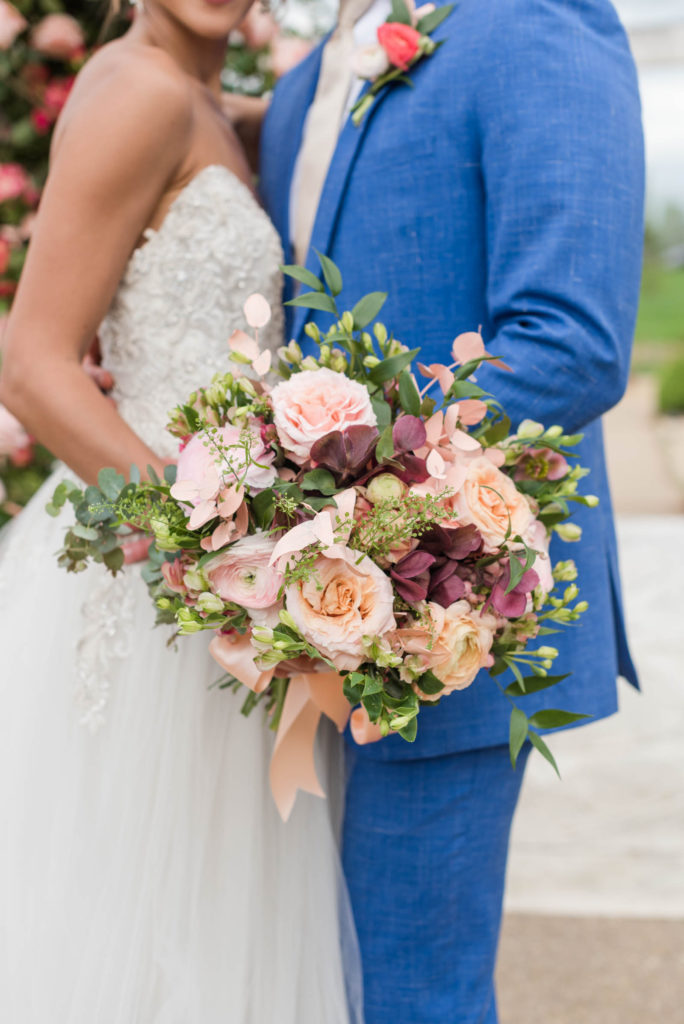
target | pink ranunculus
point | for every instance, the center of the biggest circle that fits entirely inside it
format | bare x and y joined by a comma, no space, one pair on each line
201,460
400,42
287,52
12,23
14,441
13,181
344,599
490,501
459,645
58,36
242,574
313,403
259,28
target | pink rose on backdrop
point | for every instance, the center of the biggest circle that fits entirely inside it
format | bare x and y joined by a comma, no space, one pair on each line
13,182
400,42
14,441
59,36
56,94
459,642
342,601
5,253
287,52
242,574
313,403
490,501
12,23
259,28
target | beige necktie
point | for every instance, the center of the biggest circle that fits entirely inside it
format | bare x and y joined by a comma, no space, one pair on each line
324,121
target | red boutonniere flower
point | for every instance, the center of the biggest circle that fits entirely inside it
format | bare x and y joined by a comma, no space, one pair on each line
403,40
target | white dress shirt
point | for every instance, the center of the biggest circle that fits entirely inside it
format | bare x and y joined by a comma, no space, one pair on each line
365,34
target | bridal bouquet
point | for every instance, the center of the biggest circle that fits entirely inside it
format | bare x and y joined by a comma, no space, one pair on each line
352,538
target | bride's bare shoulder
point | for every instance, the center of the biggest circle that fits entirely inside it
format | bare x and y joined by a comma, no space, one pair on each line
128,92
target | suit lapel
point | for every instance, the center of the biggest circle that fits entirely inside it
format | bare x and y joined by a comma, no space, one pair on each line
341,166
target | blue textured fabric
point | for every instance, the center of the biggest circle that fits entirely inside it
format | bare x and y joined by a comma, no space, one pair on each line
425,846
505,190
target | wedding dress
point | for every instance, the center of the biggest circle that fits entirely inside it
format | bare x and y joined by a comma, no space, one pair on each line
145,877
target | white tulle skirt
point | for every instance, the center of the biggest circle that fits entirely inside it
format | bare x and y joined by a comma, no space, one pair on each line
145,877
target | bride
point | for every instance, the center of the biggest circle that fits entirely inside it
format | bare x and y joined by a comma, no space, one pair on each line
145,875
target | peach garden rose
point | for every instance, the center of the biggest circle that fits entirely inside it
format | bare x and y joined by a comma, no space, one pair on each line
313,403
344,599
455,646
489,500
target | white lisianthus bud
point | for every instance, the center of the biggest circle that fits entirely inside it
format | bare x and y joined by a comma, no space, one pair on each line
565,572
581,607
569,531
370,361
287,620
370,61
310,363
554,431
194,580
347,321
528,428
187,623
210,603
338,360
384,487
591,500
312,331
547,652
324,355
571,593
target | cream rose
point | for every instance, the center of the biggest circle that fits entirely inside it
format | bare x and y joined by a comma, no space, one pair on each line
462,640
342,601
490,501
242,574
313,403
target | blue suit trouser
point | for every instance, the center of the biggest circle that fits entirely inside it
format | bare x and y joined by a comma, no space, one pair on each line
425,849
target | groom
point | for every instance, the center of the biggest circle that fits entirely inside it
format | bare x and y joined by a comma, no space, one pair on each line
504,190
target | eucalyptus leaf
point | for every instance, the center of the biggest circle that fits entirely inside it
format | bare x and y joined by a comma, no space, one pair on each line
367,308
518,732
110,483
331,273
390,368
304,276
84,532
553,718
408,394
315,300
537,742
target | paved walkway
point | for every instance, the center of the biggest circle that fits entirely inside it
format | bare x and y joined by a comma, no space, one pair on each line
594,932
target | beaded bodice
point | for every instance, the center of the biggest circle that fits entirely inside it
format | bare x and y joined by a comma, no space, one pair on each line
181,298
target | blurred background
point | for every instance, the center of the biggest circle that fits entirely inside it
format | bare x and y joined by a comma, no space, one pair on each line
594,930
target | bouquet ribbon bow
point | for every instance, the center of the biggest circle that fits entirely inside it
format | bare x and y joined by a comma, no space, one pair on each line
309,695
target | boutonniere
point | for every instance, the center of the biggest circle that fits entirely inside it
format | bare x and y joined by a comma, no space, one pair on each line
403,40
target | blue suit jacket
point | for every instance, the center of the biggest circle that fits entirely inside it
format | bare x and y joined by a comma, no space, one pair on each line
505,190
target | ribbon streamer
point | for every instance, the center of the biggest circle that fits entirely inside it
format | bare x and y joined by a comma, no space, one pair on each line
309,695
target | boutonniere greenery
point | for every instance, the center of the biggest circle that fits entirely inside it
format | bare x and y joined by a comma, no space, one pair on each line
403,40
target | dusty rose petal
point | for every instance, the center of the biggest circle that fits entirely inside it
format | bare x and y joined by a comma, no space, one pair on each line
471,411
495,455
468,346
241,343
262,364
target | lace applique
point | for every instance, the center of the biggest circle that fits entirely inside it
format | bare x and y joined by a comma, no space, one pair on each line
181,298
106,633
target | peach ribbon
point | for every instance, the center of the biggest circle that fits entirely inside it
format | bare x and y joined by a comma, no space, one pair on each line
309,695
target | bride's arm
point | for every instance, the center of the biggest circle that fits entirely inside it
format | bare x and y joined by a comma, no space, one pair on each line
122,143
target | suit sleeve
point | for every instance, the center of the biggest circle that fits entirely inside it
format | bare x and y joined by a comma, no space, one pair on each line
562,165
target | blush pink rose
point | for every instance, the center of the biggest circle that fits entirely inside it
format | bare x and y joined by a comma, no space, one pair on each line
400,42
13,182
200,456
12,23
459,646
342,601
242,574
490,501
313,403
14,441
59,36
